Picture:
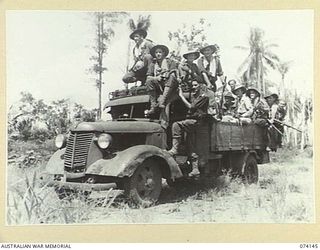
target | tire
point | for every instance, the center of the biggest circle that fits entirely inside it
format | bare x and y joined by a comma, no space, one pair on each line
143,188
250,174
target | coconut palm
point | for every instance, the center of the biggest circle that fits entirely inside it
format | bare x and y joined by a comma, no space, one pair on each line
260,58
283,68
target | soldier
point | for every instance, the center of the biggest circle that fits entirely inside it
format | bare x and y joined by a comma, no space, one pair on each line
273,130
161,77
244,107
198,108
260,112
189,70
210,66
141,56
280,115
229,108
260,107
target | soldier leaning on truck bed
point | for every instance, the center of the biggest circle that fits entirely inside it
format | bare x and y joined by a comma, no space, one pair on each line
210,66
141,56
161,78
198,108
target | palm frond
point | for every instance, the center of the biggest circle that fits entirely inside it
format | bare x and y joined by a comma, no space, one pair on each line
241,47
144,22
132,25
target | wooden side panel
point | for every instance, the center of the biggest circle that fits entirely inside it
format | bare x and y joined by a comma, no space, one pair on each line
202,141
230,136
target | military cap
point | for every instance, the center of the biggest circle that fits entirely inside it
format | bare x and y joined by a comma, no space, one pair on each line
239,86
141,32
164,48
189,52
254,89
213,47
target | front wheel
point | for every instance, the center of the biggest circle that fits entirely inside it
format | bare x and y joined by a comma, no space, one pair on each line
143,188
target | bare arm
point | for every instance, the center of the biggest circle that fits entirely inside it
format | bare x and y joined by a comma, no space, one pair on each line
188,104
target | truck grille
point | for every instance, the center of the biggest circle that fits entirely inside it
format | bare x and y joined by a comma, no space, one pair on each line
75,158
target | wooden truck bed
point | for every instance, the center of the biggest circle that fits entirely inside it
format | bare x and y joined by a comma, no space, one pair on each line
224,136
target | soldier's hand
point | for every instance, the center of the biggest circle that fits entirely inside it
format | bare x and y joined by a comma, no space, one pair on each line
159,78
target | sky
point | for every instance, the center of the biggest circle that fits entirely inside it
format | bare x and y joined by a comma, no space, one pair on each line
48,52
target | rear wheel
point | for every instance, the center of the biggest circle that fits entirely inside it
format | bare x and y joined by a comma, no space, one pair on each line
143,188
250,174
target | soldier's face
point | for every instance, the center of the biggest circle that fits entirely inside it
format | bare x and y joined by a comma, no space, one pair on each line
191,57
207,52
159,54
228,100
137,38
232,84
271,100
238,93
253,94
195,87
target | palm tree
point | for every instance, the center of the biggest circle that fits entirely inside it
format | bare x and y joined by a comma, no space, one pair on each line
260,58
283,68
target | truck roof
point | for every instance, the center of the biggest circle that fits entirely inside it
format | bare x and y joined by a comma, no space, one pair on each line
127,100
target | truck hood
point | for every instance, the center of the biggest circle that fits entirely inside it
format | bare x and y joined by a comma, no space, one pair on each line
120,127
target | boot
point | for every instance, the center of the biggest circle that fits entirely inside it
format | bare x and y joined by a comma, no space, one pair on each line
175,146
164,98
195,169
153,104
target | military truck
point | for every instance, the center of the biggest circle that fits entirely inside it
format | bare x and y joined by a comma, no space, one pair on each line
129,152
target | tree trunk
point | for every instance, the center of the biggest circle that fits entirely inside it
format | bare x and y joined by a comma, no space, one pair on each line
304,124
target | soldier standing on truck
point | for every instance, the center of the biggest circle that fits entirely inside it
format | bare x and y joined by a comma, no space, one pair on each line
161,78
244,107
210,66
198,109
141,56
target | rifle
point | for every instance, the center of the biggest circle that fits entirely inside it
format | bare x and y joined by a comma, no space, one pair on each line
224,84
289,126
275,127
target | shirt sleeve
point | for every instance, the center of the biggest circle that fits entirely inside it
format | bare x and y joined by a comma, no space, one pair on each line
274,109
199,103
219,71
200,65
150,71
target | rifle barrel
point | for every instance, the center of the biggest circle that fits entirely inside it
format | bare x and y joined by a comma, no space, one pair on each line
289,126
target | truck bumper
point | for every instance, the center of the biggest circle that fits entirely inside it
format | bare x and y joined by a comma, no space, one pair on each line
50,181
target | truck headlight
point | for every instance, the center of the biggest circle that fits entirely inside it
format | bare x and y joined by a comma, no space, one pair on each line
104,140
60,141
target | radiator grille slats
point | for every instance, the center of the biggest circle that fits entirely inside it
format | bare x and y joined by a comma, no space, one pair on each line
77,151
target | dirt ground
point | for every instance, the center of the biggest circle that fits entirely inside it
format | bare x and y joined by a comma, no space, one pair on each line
284,194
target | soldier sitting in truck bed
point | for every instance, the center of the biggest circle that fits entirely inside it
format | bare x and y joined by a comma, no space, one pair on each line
244,107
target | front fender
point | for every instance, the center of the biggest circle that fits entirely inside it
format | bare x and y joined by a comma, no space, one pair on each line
126,162
55,164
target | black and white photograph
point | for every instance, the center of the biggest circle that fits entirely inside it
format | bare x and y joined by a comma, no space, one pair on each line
159,117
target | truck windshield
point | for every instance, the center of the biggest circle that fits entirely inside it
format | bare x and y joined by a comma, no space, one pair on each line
129,111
